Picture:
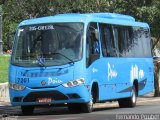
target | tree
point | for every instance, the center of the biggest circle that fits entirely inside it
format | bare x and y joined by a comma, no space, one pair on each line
14,11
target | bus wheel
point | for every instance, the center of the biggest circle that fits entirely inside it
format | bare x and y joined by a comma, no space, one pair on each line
87,107
27,110
129,102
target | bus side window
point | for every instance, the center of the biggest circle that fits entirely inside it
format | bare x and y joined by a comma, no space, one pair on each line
103,39
116,40
107,40
92,46
111,51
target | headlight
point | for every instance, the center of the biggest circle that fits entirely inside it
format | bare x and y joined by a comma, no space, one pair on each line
16,86
74,83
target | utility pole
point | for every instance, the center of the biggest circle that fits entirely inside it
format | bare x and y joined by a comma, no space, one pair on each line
1,42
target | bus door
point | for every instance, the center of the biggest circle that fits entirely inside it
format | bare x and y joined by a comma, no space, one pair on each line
92,52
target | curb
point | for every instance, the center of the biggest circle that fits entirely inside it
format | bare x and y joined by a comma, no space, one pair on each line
5,104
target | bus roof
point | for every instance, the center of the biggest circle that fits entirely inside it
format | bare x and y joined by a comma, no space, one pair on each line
110,18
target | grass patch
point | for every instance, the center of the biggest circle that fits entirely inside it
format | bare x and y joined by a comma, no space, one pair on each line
4,63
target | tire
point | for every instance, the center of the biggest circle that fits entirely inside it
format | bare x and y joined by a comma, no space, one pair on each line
156,84
87,107
129,102
27,110
74,108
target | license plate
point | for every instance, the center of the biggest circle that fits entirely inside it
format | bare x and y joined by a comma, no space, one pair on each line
44,100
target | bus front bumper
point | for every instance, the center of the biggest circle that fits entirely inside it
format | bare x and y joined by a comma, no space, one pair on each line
50,96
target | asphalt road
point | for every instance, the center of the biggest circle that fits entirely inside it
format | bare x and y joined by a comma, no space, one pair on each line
110,111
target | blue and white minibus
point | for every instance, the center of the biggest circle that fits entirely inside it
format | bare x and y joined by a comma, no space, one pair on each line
80,59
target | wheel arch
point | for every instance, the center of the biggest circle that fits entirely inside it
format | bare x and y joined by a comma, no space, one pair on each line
95,91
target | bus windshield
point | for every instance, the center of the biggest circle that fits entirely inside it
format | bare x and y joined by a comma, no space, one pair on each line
50,44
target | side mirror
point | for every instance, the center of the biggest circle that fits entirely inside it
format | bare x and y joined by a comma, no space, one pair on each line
10,39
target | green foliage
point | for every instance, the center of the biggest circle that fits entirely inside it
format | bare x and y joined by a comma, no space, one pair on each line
0,9
14,11
4,63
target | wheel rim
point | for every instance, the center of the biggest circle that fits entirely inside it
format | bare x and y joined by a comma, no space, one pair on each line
91,103
133,96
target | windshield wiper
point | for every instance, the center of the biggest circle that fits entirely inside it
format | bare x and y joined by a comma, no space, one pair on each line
71,61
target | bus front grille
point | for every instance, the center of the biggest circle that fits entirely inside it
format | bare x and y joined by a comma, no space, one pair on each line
54,95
